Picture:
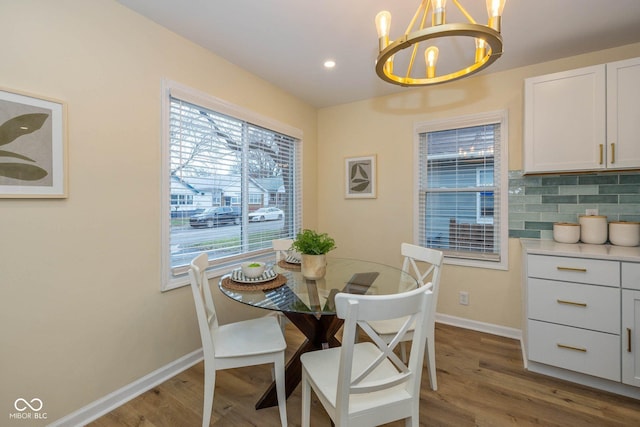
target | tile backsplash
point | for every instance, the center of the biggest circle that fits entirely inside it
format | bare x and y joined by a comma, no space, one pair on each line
536,202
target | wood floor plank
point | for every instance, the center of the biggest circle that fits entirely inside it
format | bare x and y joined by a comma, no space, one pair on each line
481,383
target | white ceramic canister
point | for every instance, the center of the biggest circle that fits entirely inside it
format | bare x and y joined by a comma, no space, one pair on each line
566,232
623,233
593,229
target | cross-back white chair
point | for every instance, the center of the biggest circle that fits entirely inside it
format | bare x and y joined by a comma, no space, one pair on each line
245,343
366,383
412,255
282,247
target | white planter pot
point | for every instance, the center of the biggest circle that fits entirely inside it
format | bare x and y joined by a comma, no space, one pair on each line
313,266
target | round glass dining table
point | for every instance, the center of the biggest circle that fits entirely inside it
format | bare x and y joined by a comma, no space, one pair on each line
309,304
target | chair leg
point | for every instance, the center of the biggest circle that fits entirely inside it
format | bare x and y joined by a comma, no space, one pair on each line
306,401
431,359
209,388
413,420
280,388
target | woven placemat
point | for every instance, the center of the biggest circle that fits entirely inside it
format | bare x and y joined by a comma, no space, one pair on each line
263,286
288,266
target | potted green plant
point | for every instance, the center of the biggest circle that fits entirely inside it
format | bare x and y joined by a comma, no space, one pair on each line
313,247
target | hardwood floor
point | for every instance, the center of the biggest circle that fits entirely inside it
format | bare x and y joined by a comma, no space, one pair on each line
481,382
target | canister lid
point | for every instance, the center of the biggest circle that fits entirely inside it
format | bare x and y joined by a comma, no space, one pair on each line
624,222
566,224
592,216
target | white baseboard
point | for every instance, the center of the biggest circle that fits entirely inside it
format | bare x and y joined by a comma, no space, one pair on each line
474,325
119,397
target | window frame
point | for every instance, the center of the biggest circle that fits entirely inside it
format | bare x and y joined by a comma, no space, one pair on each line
174,89
493,117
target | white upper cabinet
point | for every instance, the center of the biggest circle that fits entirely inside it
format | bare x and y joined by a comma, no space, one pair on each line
582,120
623,114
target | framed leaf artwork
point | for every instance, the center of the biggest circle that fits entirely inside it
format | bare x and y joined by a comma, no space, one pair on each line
32,147
360,177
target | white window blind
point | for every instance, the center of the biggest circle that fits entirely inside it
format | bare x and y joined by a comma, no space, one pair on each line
460,188
216,160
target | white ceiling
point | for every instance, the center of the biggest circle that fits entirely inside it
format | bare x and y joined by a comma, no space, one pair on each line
285,42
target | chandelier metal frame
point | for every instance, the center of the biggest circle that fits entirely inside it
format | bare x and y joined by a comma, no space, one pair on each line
483,56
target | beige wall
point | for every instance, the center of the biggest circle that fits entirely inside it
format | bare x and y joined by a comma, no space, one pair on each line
82,314
374,228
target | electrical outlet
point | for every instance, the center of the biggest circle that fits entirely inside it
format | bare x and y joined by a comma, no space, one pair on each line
463,298
590,212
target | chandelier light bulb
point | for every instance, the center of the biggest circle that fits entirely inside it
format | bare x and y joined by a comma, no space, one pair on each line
481,49
494,10
438,17
431,58
383,26
439,5
495,7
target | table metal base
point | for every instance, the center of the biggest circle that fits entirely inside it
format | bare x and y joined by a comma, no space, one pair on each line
320,332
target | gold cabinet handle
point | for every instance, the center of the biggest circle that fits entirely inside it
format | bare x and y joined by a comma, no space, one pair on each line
582,270
613,152
601,148
569,347
628,340
579,304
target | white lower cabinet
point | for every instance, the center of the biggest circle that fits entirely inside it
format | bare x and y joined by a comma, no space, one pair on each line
573,308
595,308
581,314
631,324
576,349
631,337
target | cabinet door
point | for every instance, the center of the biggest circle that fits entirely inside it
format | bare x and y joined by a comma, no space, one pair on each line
631,337
565,121
630,275
623,120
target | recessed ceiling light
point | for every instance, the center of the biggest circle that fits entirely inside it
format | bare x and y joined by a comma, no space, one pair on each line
330,63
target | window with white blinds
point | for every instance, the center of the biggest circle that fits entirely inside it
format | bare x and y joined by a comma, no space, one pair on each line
223,163
462,189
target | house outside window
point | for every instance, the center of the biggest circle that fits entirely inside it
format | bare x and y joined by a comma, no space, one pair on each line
484,202
255,199
216,155
181,199
462,189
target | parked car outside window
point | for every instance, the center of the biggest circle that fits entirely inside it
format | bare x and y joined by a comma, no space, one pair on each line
214,217
266,214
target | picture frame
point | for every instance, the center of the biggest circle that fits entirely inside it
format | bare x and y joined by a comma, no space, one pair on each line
360,177
33,146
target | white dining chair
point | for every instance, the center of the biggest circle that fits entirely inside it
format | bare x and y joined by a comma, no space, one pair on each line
387,329
366,383
281,247
245,343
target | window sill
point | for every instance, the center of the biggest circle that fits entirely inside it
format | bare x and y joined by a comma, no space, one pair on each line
491,265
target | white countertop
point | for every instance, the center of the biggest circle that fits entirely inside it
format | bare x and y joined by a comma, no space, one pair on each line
583,250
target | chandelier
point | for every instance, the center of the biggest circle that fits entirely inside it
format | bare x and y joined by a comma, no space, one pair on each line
482,44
